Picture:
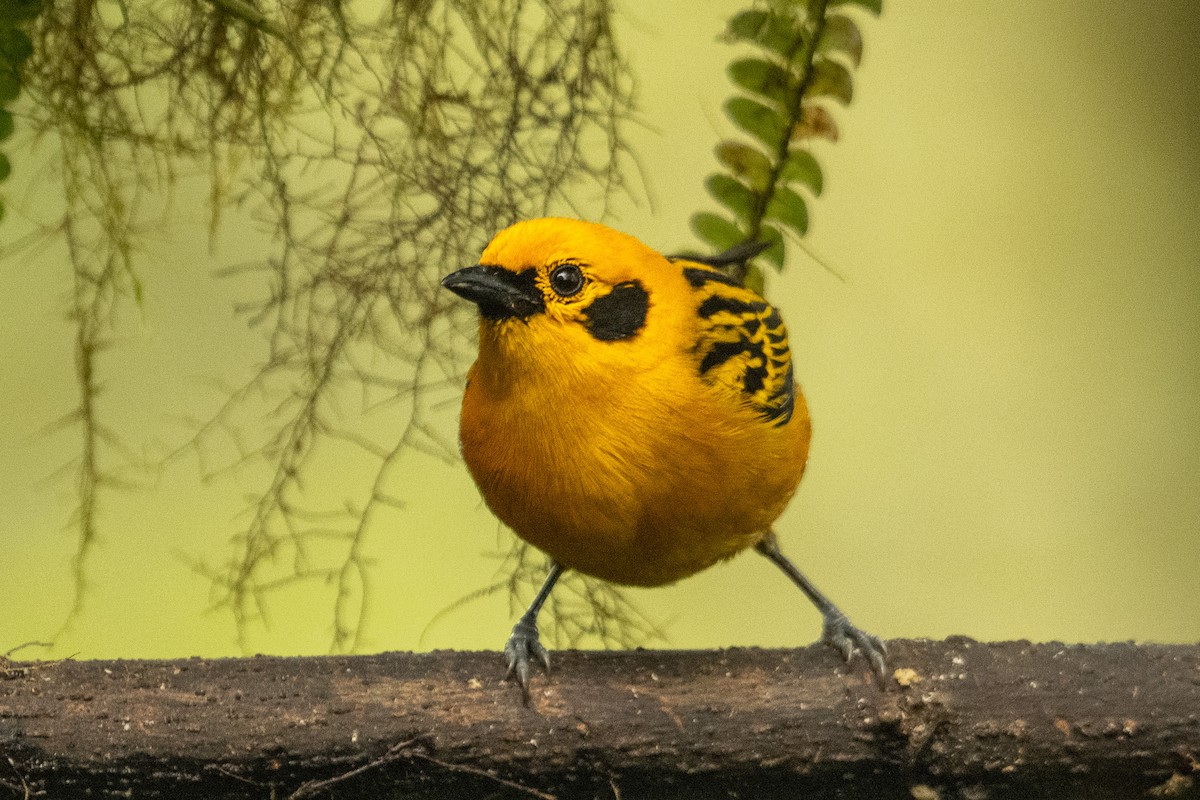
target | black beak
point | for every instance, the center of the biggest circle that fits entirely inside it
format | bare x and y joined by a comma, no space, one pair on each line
499,293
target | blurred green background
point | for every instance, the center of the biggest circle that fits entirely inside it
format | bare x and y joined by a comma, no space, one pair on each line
1005,389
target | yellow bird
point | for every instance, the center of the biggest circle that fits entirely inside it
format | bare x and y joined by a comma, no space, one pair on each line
632,415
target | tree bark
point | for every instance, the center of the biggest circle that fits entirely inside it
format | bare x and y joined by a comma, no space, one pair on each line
965,720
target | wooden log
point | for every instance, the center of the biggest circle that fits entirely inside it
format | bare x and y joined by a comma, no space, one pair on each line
964,720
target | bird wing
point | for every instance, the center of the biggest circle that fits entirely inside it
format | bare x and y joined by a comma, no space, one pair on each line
742,343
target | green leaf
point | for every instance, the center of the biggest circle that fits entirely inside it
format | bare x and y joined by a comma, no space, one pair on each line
790,209
774,254
747,25
746,163
757,120
6,124
801,167
778,33
15,46
832,79
874,6
10,85
716,230
732,194
783,36
841,35
762,78
5,167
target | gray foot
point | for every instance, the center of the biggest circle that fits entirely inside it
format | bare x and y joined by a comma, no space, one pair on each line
522,648
846,638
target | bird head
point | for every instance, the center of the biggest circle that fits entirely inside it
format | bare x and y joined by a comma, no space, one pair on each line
567,274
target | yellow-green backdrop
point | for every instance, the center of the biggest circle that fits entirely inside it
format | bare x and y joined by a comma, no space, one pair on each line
1005,389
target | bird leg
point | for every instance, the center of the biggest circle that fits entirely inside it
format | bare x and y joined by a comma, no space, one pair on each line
523,645
837,629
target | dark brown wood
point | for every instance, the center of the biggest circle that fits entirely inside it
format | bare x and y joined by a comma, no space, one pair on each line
973,720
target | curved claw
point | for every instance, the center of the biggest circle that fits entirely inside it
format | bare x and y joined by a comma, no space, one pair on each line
842,635
522,647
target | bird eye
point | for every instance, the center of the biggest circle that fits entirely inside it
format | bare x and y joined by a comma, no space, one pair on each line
566,280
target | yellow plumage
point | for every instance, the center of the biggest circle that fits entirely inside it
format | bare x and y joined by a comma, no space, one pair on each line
620,458
632,415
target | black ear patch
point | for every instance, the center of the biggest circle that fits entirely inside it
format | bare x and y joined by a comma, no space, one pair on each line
620,314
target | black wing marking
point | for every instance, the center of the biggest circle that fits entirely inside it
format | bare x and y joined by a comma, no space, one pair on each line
743,344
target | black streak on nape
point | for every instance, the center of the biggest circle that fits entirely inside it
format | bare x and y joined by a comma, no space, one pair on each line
697,277
738,254
620,314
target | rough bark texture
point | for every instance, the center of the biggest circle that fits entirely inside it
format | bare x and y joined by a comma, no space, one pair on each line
974,720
